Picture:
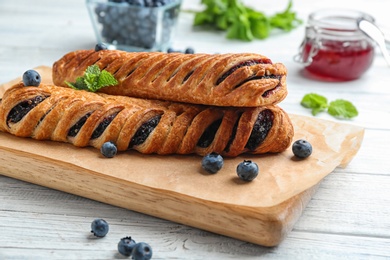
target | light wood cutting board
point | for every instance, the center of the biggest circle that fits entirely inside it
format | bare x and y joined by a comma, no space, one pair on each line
176,188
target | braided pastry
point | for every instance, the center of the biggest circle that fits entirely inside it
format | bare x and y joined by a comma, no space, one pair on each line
239,80
148,126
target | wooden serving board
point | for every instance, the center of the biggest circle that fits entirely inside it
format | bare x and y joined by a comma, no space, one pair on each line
176,188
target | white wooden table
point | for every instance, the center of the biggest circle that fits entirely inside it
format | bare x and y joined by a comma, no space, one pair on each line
349,216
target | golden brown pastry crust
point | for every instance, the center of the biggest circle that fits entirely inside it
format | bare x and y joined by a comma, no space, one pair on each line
239,80
88,119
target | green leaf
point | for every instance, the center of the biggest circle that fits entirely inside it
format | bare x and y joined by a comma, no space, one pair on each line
93,80
286,20
260,28
93,69
315,102
106,79
339,108
242,22
342,109
202,18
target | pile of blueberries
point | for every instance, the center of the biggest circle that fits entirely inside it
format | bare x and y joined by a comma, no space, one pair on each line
126,246
141,24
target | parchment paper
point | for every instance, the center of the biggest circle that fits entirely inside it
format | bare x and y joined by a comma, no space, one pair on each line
281,176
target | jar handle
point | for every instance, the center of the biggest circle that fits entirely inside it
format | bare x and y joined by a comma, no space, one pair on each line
300,57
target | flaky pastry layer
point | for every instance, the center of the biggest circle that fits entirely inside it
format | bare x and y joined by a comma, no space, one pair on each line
148,126
239,80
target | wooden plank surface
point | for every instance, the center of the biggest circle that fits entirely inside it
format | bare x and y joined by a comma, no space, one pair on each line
346,219
173,187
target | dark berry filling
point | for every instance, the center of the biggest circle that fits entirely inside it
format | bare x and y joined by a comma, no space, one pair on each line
233,135
270,91
76,127
188,76
20,110
130,72
43,117
240,65
260,129
257,78
144,131
208,135
103,125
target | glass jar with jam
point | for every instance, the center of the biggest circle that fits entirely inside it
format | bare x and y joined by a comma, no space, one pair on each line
334,48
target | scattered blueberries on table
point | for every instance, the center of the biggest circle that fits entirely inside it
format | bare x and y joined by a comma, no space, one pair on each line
99,227
31,78
126,245
142,251
302,148
100,47
212,162
247,170
108,149
188,50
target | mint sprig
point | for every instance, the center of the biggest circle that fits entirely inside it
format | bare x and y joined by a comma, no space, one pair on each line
340,108
93,79
242,22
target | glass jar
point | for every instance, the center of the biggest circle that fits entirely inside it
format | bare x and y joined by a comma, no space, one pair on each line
124,26
334,48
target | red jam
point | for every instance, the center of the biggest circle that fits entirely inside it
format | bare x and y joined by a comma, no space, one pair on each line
334,49
338,62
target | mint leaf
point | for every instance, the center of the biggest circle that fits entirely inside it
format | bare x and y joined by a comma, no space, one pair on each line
315,102
259,24
242,22
342,109
286,20
93,70
78,85
339,108
106,79
93,80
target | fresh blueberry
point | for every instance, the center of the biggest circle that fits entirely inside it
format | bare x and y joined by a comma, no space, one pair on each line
31,78
302,148
189,50
136,2
247,170
100,46
99,227
108,149
142,251
212,162
170,50
126,245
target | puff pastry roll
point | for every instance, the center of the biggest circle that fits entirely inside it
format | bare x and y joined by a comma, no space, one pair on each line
239,80
89,119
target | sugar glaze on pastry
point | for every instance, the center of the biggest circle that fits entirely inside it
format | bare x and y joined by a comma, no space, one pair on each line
88,119
239,80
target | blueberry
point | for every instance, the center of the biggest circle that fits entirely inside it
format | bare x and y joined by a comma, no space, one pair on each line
100,46
142,251
126,245
189,50
247,170
31,78
108,149
99,227
136,2
302,148
212,162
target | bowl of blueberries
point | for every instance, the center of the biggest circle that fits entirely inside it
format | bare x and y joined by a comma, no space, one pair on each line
134,25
